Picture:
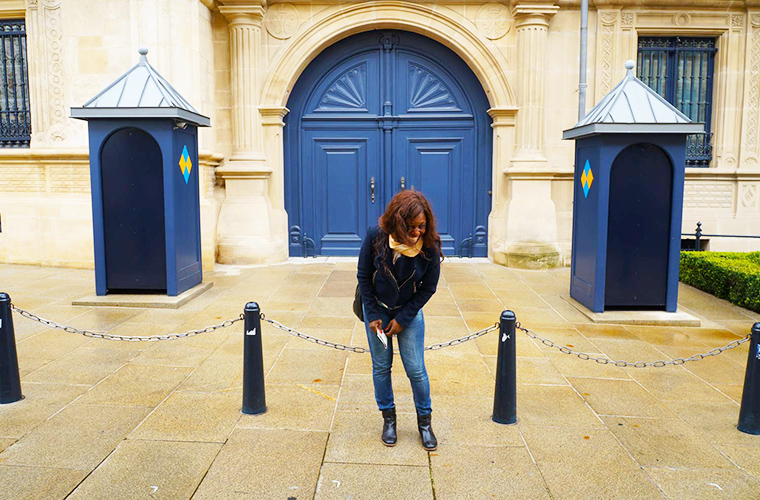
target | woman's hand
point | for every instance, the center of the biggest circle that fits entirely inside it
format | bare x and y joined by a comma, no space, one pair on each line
376,325
394,328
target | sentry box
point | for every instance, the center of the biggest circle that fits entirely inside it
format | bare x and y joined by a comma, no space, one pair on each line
144,175
630,154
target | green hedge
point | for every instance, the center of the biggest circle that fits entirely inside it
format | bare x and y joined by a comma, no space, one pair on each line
732,276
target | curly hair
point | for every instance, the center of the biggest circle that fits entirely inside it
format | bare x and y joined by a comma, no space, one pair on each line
402,209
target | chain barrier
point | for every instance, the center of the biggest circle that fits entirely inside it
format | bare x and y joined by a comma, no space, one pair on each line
126,338
602,360
359,349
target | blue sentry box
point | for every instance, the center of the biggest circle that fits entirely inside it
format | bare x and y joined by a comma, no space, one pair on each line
628,199
146,205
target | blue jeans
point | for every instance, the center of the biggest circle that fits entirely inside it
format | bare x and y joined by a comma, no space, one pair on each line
411,346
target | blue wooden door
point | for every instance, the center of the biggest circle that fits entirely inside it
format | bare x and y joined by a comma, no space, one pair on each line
380,112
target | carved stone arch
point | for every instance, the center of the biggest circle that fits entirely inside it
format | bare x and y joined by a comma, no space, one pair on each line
341,21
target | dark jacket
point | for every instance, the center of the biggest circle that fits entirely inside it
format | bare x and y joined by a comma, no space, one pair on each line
401,294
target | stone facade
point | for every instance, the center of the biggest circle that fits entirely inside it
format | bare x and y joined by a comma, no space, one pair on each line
237,60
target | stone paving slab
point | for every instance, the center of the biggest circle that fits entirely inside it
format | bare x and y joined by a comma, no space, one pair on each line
474,472
35,483
264,463
79,437
372,481
41,401
149,469
116,419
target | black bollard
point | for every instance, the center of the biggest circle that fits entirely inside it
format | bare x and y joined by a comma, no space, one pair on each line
749,414
254,400
10,382
505,394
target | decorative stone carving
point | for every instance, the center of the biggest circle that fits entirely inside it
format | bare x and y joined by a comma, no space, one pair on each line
281,20
608,18
49,119
698,195
627,19
749,196
493,20
755,20
608,21
737,21
753,96
681,19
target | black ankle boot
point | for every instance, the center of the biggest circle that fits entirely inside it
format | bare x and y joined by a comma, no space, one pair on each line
389,427
429,442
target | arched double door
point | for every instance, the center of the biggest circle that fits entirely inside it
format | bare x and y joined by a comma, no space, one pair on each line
376,113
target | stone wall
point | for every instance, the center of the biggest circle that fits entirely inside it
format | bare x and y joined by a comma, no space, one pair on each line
236,61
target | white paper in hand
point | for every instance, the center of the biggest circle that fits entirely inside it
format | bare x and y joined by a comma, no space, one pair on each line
381,335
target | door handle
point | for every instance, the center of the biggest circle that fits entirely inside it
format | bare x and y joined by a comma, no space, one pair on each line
372,188
403,183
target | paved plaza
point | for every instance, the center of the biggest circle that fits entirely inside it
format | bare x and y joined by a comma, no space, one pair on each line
126,420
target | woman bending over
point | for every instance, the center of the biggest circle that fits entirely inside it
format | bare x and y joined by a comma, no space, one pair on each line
399,266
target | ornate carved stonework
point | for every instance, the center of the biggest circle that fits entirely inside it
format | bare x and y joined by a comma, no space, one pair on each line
608,20
681,19
50,111
281,20
753,97
627,19
755,20
493,20
749,196
715,196
737,21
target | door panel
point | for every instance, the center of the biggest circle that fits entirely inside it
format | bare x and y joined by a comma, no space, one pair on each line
339,185
432,161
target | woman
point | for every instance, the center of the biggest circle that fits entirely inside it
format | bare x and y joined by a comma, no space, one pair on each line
399,266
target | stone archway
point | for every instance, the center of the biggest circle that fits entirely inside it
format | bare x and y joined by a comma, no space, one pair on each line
255,173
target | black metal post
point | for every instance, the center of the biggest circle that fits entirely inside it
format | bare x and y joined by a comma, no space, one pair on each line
10,382
749,413
254,400
697,236
505,394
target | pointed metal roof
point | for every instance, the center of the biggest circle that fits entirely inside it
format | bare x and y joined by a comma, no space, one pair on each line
140,93
633,107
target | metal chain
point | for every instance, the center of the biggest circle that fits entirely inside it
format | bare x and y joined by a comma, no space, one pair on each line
637,364
326,343
359,349
126,338
480,333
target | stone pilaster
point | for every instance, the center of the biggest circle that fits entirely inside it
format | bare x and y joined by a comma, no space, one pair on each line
503,124
532,24
249,229
245,23
529,220
45,57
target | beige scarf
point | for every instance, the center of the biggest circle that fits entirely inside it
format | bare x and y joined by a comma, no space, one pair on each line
403,249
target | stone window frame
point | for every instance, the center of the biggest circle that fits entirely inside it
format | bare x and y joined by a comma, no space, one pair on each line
728,29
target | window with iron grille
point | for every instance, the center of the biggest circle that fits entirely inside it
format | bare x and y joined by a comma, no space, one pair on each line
15,116
680,69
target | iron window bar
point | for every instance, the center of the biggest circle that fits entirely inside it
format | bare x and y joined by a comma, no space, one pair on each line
681,69
15,114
